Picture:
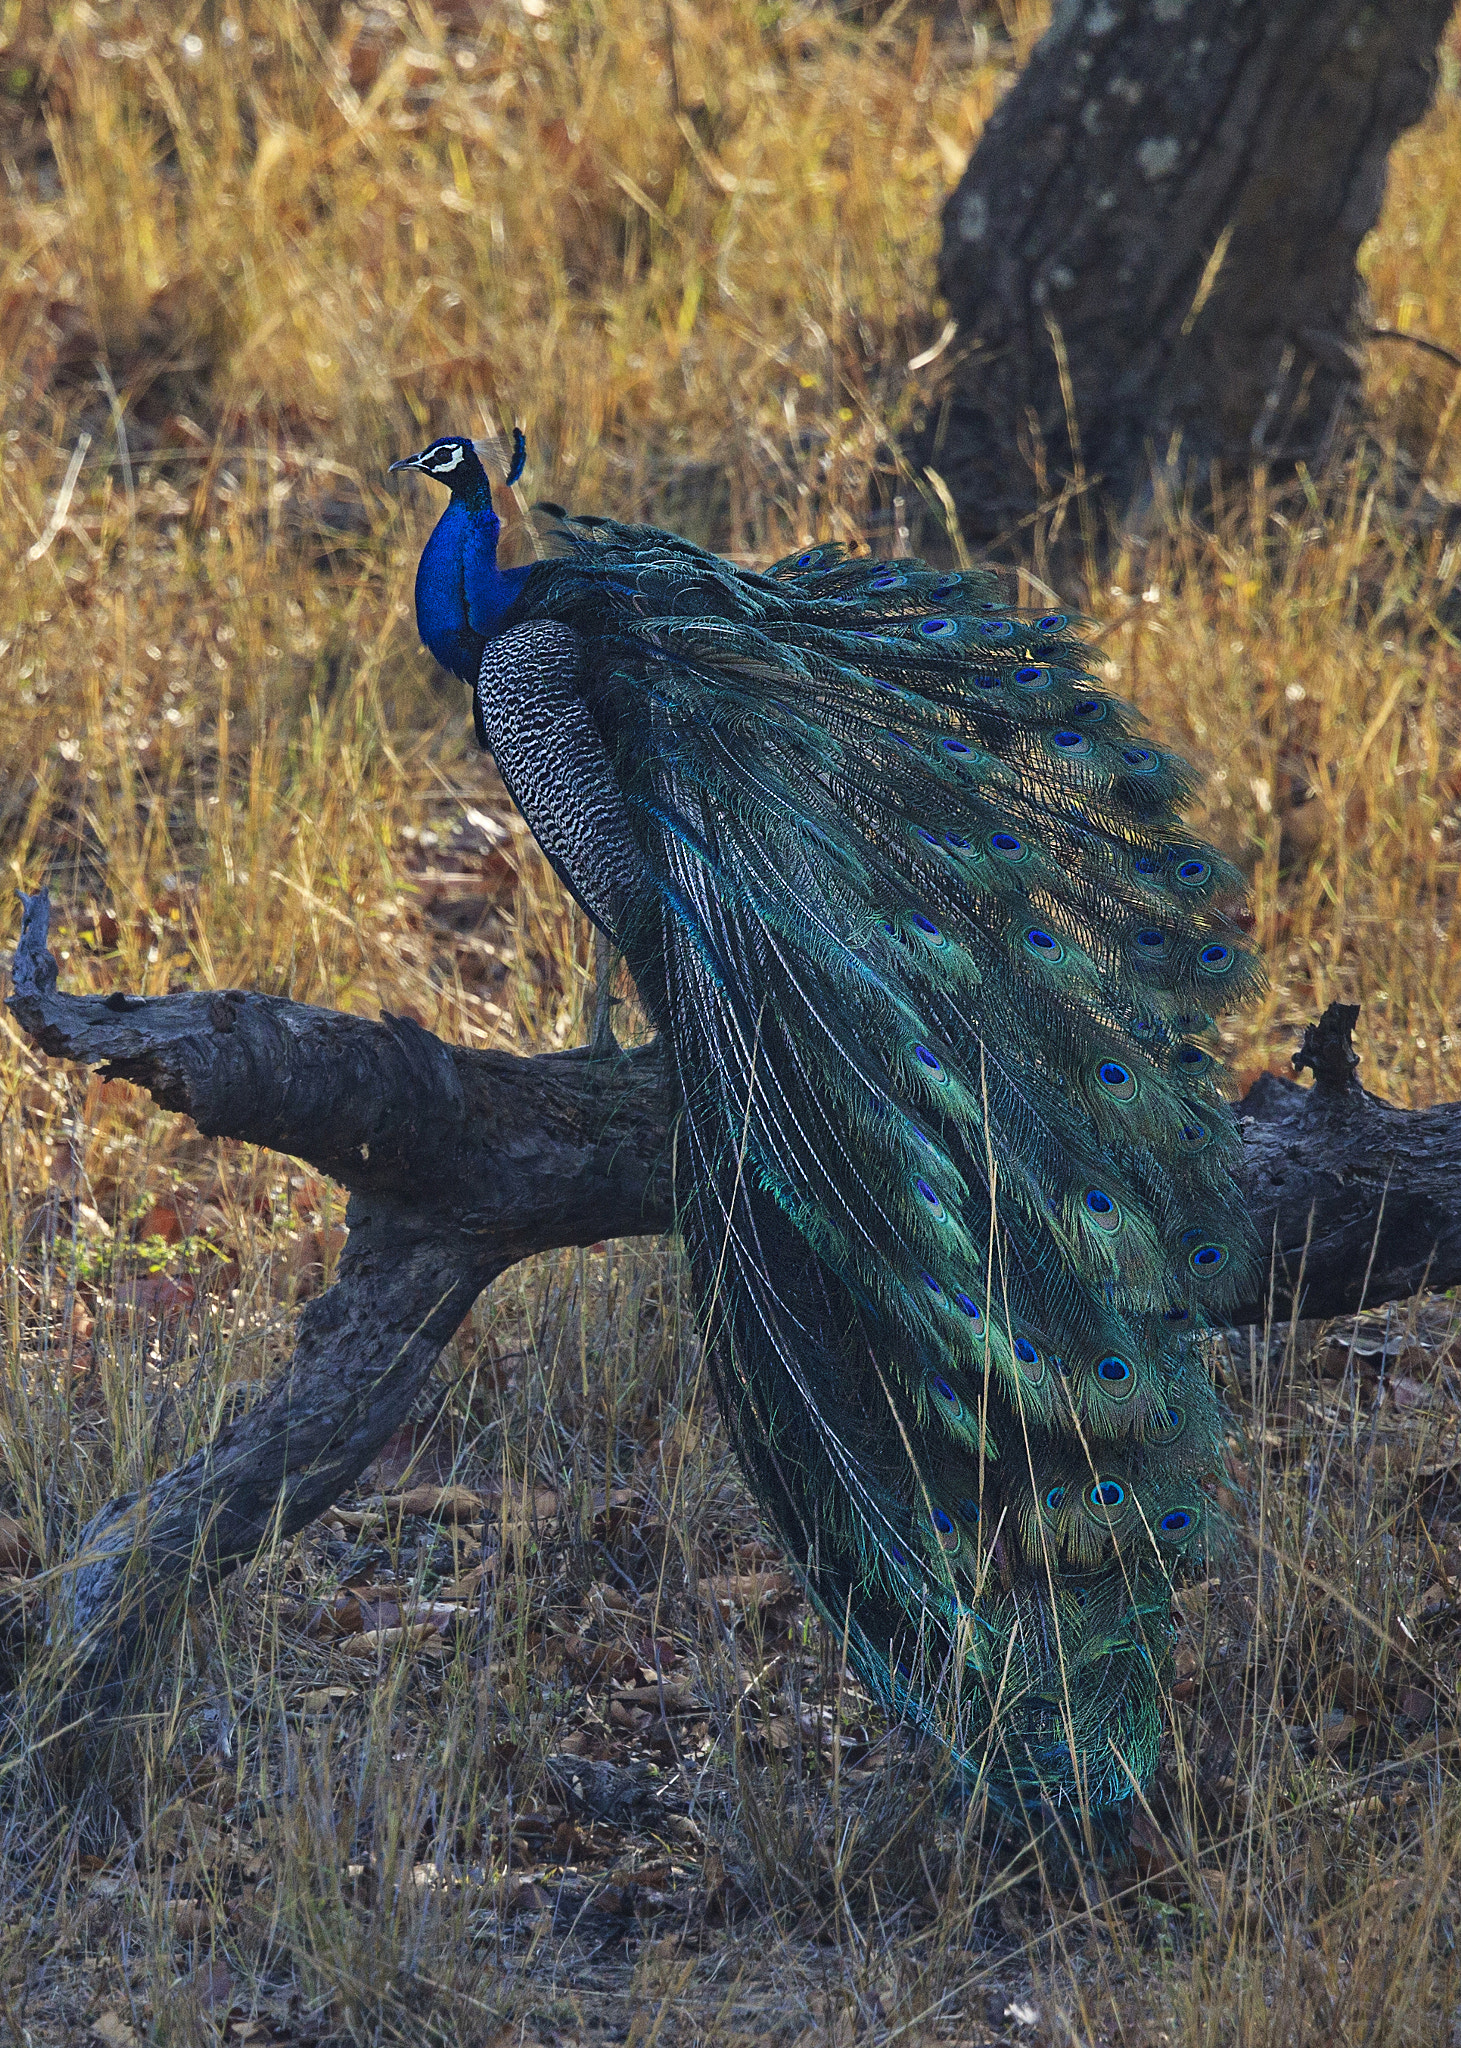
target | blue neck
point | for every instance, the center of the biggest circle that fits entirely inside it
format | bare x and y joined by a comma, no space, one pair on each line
461,594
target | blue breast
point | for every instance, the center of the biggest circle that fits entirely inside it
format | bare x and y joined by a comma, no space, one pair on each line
462,597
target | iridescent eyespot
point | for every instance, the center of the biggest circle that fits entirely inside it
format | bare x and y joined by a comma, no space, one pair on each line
1151,944
970,1307
1141,760
1054,1499
805,561
1031,678
1115,1371
925,924
930,1196
1118,1081
926,836
1053,622
1192,1059
889,580
1107,1493
1043,945
938,629
1192,873
1091,709
1068,742
1025,1351
956,841
1007,846
1177,1522
1101,1210
986,682
1171,1425
928,1059
995,629
955,747
1208,1259
1192,1137
1215,959
1145,865
946,1529
1176,1314
933,1287
890,929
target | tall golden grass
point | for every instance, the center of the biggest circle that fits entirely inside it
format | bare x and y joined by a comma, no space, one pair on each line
254,252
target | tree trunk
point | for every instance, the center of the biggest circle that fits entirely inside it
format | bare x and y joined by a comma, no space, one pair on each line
1151,254
459,1163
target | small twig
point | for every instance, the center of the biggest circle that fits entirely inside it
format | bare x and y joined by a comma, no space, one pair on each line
62,505
1420,341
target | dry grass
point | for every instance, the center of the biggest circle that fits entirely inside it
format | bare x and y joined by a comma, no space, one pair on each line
253,254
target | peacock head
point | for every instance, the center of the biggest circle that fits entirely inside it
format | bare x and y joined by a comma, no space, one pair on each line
453,460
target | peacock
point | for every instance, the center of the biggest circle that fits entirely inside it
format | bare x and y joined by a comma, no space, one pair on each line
909,899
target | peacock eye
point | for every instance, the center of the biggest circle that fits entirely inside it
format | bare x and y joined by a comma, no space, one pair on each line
1031,678
1172,1424
1141,760
1192,873
1107,1493
995,629
1114,1371
1054,1496
1007,846
955,747
1070,742
1178,1522
1215,959
1025,1351
1053,622
1208,1259
1044,945
971,1308
1091,709
1102,1211
1118,1081
938,629
929,1196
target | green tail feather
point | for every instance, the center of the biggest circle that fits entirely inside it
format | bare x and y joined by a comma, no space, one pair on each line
938,962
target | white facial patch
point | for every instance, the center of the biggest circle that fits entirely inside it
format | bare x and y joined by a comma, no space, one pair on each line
446,462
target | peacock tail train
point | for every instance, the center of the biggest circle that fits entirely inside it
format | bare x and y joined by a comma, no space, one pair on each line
910,900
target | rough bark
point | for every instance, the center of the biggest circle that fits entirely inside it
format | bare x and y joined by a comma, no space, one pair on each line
1357,1201
458,1163
1151,253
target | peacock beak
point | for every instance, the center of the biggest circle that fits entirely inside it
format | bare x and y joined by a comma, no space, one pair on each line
406,462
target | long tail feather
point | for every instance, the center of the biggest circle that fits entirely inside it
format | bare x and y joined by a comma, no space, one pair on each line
938,963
